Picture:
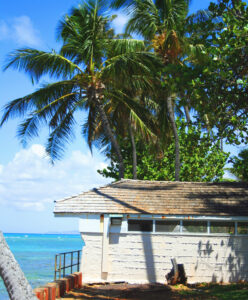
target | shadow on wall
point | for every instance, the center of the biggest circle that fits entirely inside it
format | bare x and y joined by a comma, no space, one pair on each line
146,239
231,254
149,257
227,258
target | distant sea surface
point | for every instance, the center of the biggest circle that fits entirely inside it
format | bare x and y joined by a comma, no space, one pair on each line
36,253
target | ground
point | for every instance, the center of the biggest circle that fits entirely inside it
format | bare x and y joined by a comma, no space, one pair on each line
122,291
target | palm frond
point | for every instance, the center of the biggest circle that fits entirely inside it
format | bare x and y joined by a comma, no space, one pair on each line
124,67
29,128
84,33
122,46
144,19
172,13
37,63
43,97
61,135
121,3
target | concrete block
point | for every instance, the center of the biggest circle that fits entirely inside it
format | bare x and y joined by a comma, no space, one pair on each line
56,286
51,291
39,292
62,286
71,281
79,278
67,284
75,280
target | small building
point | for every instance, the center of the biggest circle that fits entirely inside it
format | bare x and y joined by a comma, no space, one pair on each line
133,228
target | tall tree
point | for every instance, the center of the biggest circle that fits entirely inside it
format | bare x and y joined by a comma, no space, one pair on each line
91,65
129,117
14,280
162,24
220,87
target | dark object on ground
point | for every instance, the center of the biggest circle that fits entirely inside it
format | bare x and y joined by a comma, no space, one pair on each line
177,274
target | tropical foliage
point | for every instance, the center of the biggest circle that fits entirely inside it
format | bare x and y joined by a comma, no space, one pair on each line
240,165
160,106
202,158
220,87
93,66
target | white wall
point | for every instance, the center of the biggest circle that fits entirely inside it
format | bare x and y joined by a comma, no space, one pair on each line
90,223
147,257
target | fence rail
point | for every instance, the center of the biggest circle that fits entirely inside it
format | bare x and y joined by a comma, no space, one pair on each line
61,262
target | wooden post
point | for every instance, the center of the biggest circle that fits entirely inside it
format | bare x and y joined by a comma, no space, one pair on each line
55,266
71,261
78,261
59,266
64,266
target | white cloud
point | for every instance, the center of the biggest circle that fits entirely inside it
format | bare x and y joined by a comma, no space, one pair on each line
20,30
29,181
119,22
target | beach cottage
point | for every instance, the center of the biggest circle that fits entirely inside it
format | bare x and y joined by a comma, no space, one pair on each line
133,228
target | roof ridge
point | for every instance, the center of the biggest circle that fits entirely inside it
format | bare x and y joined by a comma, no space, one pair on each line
85,192
123,180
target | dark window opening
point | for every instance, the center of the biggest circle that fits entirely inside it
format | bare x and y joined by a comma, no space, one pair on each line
242,227
116,221
140,225
195,226
222,227
167,226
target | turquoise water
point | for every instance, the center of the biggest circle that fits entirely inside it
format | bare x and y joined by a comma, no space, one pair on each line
36,253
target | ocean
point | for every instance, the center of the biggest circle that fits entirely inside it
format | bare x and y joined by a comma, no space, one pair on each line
36,253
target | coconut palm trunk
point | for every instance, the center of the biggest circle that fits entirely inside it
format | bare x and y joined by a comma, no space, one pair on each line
14,279
133,149
109,133
177,144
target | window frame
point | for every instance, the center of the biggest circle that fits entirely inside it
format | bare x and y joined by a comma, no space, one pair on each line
181,233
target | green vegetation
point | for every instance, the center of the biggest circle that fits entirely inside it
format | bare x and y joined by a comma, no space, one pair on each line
160,107
215,291
240,165
202,158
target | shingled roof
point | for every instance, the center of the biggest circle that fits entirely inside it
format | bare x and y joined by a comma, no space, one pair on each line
160,197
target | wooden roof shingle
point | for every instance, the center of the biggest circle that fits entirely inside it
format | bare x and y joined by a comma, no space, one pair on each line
160,197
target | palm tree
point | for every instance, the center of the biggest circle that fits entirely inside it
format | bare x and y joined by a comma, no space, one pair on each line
91,66
161,23
129,117
14,280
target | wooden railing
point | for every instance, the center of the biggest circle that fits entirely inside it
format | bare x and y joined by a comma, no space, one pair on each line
61,263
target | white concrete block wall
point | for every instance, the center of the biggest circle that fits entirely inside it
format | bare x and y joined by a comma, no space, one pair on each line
147,257
91,263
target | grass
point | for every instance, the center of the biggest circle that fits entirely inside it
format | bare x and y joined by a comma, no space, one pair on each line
215,291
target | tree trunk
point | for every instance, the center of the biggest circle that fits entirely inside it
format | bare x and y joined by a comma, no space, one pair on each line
177,145
186,110
109,133
134,150
221,144
14,280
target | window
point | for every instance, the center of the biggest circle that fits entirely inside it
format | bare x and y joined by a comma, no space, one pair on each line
242,227
195,226
222,227
185,226
167,226
116,221
140,225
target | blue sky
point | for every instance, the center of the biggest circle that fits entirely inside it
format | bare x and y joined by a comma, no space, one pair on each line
28,183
